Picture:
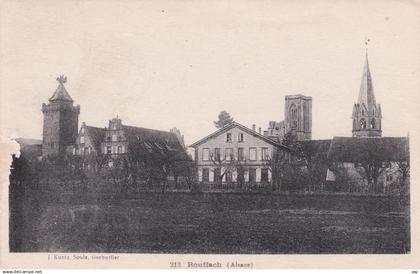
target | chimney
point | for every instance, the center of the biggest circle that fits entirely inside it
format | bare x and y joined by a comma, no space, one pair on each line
259,130
253,127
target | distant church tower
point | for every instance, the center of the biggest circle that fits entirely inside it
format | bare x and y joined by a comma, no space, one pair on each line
298,116
60,121
366,113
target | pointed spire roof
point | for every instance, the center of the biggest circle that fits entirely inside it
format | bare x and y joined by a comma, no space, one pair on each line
61,93
366,95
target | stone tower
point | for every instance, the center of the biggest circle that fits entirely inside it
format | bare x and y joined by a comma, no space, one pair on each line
366,113
60,121
298,116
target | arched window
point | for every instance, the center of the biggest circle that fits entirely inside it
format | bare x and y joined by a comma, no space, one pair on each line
293,115
354,123
305,117
362,123
373,123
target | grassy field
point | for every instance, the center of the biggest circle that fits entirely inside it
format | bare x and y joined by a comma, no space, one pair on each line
213,223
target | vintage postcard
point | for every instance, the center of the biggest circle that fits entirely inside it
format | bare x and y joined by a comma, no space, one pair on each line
209,134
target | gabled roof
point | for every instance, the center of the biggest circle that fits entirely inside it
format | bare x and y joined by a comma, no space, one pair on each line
356,149
245,129
30,148
27,142
61,94
96,135
155,141
316,146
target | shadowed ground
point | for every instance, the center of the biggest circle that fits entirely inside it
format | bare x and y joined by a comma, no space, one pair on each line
210,223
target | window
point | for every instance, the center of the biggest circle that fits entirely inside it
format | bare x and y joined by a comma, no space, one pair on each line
74,151
119,149
82,130
363,123
108,150
217,154
114,150
52,145
228,175
252,174
229,137
229,154
240,137
241,176
293,115
217,175
82,139
205,175
241,154
108,139
372,123
206,154
114,137
264,153
252,154
86,150
264,175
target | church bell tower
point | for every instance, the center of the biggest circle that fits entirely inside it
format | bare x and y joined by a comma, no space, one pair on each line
367,114
60,121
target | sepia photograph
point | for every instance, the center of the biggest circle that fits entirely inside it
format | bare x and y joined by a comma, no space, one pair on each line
212,128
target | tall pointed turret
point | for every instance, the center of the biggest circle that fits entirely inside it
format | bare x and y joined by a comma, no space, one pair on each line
366,113
61,93
60,121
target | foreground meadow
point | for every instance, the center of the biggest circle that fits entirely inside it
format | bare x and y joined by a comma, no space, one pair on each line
211,223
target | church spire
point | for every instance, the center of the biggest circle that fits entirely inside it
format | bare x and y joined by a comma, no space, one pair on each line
366,95
366,113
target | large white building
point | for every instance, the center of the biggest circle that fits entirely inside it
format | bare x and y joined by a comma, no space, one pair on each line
235,153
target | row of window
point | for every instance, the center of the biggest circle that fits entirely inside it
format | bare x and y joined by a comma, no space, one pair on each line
218,176
363,123
82,151
229,137
229,154
114,138
115,150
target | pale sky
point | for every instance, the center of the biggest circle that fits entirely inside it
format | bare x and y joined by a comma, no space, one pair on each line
160,64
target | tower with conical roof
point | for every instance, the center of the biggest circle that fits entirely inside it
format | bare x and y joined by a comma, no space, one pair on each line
61,119
366,113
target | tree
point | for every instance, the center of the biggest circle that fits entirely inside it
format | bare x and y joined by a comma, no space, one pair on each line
343,180
279,166
224,119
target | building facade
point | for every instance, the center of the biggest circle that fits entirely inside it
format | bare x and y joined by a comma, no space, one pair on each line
298,116
235,153
297,119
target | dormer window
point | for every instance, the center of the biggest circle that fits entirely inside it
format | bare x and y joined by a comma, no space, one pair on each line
82,139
